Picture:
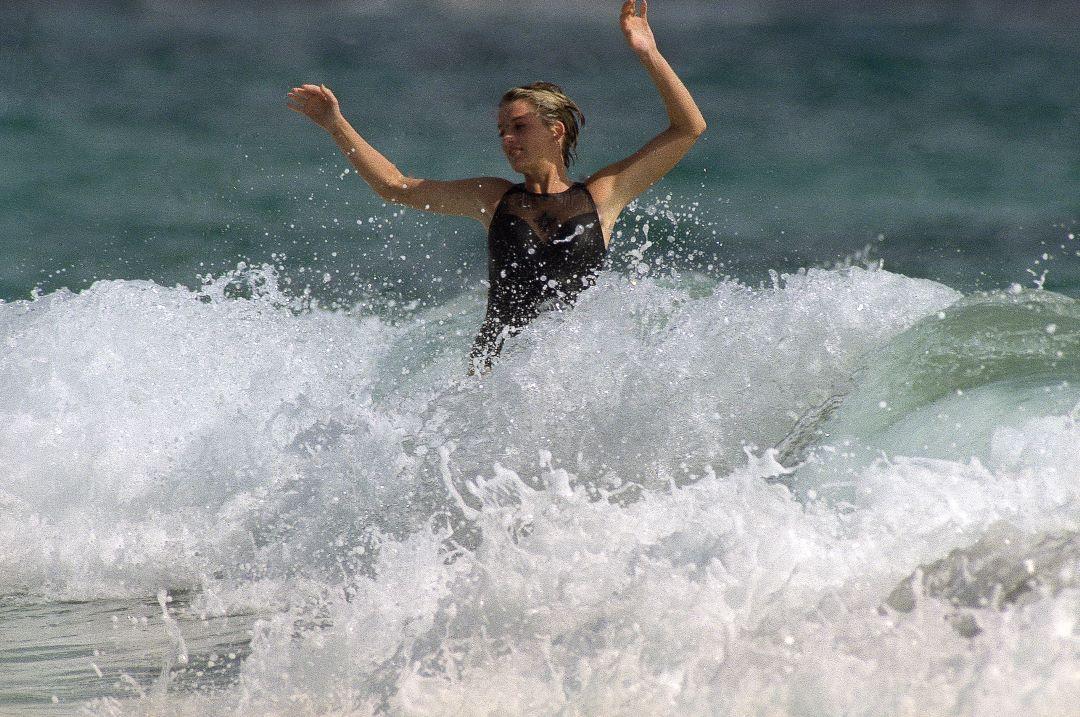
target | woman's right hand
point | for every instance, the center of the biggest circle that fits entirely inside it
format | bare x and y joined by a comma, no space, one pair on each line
316,102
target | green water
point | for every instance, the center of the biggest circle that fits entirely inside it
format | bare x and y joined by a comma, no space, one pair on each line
144,141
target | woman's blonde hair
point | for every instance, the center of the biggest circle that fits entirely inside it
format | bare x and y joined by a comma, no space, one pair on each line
553,106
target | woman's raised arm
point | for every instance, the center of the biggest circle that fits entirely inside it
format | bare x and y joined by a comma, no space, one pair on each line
617,185
475,198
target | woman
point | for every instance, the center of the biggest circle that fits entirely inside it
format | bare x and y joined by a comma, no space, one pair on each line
547,236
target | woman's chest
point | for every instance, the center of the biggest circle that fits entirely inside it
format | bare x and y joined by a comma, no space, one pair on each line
543,241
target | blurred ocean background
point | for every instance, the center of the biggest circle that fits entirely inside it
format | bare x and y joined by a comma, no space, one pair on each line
150,140
811,446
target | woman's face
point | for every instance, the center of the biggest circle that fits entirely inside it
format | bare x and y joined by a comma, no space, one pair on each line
526,140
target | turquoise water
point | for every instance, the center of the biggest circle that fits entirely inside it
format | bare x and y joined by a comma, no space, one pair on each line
148,142
836,361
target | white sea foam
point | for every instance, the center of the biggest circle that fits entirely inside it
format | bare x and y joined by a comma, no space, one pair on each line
593,528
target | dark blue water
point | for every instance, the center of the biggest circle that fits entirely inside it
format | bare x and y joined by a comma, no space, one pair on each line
147,141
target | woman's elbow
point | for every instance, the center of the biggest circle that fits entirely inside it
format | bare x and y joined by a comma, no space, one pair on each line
396,192
692,129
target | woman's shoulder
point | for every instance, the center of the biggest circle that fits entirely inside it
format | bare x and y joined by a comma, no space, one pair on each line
492,186
501,188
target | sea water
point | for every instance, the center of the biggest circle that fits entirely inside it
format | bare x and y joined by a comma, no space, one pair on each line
221,504
242,470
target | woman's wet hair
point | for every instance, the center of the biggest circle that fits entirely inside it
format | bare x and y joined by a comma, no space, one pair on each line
553,106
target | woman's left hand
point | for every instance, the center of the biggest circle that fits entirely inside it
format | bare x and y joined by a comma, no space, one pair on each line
636,27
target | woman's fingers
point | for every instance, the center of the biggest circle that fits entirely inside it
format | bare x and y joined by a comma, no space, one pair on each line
311,100
300,94
312,91
308,87
629,9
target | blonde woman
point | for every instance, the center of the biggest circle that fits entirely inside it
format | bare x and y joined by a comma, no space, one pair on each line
548,235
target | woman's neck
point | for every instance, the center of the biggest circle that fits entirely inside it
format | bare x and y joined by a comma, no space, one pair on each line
547,179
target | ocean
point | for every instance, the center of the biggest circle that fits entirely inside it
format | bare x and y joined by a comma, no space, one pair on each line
811,445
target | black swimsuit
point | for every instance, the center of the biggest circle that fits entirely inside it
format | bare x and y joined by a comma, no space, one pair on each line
542,249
